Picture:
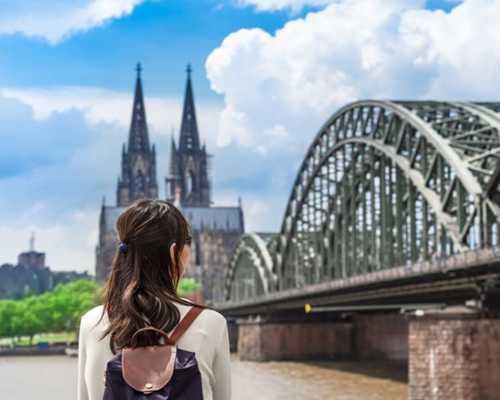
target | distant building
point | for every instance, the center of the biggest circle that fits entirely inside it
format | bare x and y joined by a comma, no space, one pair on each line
215,229
30,275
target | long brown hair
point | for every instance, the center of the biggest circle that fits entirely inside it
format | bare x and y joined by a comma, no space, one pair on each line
143,282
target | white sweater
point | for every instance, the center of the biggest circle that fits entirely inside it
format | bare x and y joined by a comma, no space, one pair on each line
207,337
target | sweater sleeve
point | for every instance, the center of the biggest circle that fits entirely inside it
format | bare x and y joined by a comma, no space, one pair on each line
82,393
222,369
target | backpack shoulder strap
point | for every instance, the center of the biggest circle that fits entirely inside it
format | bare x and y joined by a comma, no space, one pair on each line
185,323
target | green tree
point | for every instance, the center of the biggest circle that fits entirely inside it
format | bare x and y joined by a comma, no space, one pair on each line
56,311
7,312
187,285
32,315
71,301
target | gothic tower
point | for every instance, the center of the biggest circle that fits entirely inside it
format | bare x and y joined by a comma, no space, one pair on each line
188,172
215,229
138,178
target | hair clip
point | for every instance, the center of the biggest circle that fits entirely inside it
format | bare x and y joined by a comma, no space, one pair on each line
123,247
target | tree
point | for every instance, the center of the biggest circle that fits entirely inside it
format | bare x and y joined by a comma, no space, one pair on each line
187,285
56,311
7,312
71,301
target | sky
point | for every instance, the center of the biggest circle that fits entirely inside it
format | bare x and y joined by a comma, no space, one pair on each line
266,75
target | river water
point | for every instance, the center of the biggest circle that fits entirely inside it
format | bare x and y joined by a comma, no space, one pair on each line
54,378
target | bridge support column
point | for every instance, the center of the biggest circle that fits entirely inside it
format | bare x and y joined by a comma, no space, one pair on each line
232,328
265,341
381,336
454,354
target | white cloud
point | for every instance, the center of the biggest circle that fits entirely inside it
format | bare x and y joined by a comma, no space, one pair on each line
110,107
79,133
56,20
53,174
463,48
261,213
274,5
352,49
68,243
60,154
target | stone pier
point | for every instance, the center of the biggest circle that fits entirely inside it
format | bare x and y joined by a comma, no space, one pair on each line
454,354
383,337
232,328
265,341
364,337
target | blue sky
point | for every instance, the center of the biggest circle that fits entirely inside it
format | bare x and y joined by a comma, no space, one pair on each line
163,35
267,74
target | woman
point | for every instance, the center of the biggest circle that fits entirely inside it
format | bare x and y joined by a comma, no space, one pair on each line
141,291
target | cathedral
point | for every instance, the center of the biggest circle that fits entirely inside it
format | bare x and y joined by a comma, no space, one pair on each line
215,230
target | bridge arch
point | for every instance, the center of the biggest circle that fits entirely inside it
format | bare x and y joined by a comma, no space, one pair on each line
384,183
402,161
250,271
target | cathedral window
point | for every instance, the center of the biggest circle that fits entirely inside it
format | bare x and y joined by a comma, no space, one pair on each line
190,182
139,183
138,142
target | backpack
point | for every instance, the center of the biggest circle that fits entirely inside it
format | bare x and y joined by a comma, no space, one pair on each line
159,372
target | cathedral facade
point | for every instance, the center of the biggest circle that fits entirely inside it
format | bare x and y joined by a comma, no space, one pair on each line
215,230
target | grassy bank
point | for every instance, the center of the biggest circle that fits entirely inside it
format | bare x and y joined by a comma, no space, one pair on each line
71,336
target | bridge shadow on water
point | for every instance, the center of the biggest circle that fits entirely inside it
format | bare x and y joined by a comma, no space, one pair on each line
396,371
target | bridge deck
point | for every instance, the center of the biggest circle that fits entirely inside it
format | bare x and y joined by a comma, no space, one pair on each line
451,281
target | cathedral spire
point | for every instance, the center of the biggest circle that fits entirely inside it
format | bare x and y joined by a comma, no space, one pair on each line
138,177
189,140
188,172
173,170
138,141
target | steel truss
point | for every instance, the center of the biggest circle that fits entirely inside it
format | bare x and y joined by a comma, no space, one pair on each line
386,183
251,267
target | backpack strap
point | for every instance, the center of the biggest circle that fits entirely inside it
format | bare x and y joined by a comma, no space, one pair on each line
185,323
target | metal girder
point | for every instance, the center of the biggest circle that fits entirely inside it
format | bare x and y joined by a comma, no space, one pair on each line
252,247
419,139
416,178
442,146
384,183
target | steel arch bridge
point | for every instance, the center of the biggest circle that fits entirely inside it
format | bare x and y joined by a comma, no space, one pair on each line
383,184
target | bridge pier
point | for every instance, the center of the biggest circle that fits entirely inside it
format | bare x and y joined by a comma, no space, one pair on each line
232,328
454,353
363,337
380,336
265,341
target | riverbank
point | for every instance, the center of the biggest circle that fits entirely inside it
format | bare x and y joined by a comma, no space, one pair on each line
51,338
26,351
41,349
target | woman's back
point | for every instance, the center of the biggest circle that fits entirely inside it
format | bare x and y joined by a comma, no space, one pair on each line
207,337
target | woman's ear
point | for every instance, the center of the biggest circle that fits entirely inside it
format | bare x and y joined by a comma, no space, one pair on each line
172,252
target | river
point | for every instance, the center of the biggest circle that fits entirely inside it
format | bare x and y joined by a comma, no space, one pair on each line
54,378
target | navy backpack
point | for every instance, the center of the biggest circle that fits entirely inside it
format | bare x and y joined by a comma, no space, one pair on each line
159,372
